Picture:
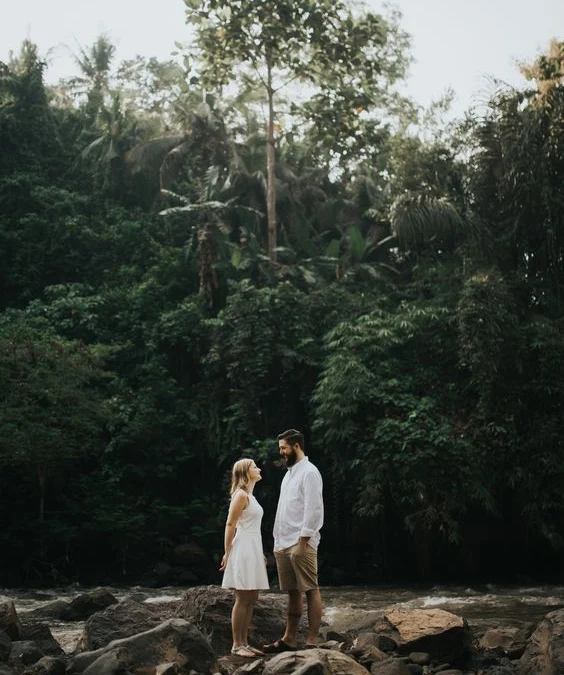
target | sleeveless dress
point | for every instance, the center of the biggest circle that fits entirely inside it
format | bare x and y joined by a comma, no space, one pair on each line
245,569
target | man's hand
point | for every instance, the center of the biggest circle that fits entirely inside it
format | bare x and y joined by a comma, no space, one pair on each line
302,544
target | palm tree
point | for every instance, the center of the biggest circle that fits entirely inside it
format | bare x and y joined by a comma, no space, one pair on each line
93,82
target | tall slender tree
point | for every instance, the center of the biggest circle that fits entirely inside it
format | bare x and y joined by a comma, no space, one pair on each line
271,44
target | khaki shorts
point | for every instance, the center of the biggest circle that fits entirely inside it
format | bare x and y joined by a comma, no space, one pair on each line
297,571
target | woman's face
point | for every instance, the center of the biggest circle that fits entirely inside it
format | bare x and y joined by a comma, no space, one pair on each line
254,472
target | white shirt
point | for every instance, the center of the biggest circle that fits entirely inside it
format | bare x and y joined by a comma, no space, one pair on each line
300,506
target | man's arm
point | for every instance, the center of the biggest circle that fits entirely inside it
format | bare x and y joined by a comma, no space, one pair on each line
313,507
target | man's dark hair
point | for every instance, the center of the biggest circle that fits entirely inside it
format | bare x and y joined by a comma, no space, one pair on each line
293,436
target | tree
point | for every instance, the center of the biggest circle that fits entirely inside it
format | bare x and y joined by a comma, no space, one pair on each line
52,410
337,53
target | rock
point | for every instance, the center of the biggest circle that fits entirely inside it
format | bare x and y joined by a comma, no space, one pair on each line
509,640
544,653
86,604
6,670
420,658
174,640
442,634
24,653
209,607
416,669
5,646
122,620
50,610
48,665
41,634
313,662
253,668
390,667
9,622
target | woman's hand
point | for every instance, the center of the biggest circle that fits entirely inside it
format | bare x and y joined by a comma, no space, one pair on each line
223,562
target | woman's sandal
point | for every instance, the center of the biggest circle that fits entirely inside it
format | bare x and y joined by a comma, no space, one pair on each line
278,647
256,651
244,652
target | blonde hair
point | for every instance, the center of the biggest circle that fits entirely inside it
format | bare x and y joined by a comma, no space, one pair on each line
240,474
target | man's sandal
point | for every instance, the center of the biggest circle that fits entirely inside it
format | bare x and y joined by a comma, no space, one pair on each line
244,652
278,647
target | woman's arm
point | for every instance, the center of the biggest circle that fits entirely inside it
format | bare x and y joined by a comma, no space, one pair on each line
238,502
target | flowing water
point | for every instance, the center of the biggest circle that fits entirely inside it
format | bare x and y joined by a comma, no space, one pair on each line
348,607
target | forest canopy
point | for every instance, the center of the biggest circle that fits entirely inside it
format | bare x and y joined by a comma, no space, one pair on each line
262,233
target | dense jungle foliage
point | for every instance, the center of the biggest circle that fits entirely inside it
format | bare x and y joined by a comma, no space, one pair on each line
263,233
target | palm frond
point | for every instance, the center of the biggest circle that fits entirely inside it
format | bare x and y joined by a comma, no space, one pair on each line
419,219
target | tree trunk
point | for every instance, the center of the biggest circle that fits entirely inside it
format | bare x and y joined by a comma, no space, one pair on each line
270,172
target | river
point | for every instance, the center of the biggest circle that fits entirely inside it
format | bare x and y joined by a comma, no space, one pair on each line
349,607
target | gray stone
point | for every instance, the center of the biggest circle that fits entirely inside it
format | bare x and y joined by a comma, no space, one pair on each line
24,653
86,604
390,667
209,608
544,653
9,621
174,640
5,646
117,621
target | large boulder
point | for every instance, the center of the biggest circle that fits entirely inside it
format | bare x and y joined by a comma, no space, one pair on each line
123,620
24,653
9,622
506,640
40,633
86,604
173,641
209,608
313,662
544,653
443,635
5,646
56,609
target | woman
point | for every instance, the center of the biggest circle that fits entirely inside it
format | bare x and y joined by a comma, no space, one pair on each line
244,562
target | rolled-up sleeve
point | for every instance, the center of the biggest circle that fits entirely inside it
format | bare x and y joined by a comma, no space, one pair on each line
313,504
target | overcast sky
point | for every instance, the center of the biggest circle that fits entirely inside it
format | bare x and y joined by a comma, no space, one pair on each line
456,43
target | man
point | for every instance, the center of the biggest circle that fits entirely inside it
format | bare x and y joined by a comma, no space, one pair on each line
299,517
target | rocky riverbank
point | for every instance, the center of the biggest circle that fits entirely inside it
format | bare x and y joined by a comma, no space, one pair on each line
191,636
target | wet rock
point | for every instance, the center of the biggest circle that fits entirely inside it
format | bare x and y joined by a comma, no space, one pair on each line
209,608
390,667
86,604
544,653
41,634
507,640
420,658
9,622
24,653
118,621
174,640
313,662
47,665
443,635
50,610
6,669
5,646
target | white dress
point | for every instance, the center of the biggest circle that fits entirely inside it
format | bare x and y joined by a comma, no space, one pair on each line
246,569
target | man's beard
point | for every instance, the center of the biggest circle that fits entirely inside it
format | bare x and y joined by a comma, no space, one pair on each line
291,458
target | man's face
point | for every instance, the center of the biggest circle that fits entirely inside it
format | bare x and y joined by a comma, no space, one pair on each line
288,452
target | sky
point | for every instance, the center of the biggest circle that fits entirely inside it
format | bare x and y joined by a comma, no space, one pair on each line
458,44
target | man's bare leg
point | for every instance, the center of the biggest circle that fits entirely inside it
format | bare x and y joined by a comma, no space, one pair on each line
314,612
295,609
